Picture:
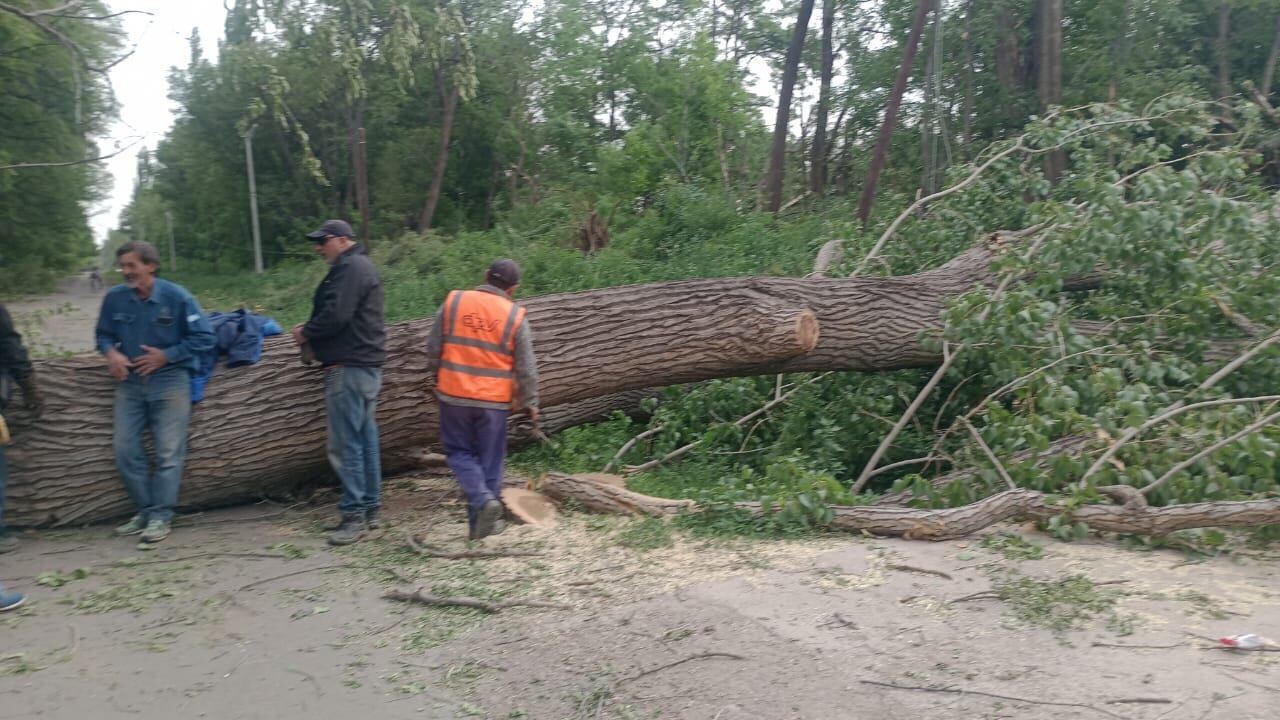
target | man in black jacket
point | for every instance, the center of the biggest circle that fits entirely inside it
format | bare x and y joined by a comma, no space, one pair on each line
346,334
15,368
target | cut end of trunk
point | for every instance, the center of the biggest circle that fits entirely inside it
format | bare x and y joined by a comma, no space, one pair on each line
807,332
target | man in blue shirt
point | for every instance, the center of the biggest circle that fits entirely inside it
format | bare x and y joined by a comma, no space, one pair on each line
151,332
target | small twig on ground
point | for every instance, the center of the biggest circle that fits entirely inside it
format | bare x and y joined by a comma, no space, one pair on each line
128,563
417,596
381,630
264,581
395,574
77,548
308,676
920,570
1268,688
428,551
1138,647
1141,701
961,691
1214,701
699,656
984,595
264,516
75,643
838,619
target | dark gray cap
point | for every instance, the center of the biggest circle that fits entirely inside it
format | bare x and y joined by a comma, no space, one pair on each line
503,273
336,228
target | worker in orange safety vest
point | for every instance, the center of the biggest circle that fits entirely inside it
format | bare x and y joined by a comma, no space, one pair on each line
481,351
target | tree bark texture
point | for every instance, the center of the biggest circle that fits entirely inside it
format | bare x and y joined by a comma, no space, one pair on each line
778,153
948,523
891,112
1050,80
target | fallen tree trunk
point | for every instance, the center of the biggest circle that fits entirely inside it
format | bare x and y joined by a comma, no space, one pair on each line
261,428
948,523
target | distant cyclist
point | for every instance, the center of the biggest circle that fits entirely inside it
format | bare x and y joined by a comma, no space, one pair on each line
95,278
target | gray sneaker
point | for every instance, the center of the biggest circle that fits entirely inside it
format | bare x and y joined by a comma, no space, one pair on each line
156,531
136,524
351,530
487,520
372,519
8,543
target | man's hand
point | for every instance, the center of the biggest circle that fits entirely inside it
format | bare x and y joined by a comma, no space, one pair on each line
533,414
118,365
298,337
152,360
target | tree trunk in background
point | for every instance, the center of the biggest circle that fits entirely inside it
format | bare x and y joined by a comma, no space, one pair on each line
929,109
442,157
1050,82
1007,23
891,112
261,428
1224,49
818,162
1269,72
966,109
1119,52
778,153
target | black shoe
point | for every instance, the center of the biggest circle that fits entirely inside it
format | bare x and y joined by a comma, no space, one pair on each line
371,519
487,520
349,530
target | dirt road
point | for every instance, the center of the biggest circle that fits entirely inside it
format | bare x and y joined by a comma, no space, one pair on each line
61,322
247,614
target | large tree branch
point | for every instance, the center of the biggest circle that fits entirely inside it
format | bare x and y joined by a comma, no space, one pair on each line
948,523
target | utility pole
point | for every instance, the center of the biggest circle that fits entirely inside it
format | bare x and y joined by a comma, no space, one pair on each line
253,201
362,189
173,256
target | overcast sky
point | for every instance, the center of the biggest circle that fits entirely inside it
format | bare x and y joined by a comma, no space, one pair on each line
142,87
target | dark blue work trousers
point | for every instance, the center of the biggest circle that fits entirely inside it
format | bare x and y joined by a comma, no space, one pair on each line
475,442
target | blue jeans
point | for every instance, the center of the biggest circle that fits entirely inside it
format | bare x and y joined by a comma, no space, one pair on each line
475,443
351,398
160,402
4,480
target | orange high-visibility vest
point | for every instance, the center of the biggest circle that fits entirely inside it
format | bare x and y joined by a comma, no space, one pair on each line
477,356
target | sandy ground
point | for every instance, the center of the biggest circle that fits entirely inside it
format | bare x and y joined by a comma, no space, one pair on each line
246,613
62,322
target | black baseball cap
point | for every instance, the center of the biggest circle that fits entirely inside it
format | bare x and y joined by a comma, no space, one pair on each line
503,273
336,228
